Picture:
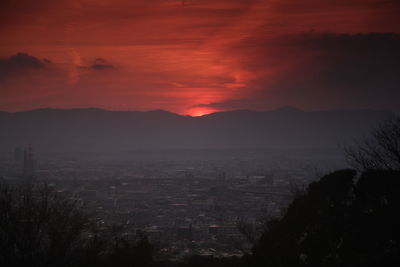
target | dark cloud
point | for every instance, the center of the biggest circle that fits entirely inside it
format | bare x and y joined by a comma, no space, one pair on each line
229,104
47,61
101,67
323,70
369,61
20,64
101,64
352,70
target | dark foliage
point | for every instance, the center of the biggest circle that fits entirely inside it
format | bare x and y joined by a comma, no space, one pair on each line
38,228
341,220
380,150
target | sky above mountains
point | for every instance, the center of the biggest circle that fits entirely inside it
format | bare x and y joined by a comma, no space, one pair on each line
199,56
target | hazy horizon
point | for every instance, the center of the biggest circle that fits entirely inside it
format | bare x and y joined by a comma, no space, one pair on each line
200,114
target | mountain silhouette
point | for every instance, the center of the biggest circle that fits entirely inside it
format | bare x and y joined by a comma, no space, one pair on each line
95,129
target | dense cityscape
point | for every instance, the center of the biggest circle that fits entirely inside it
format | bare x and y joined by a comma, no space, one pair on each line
184,205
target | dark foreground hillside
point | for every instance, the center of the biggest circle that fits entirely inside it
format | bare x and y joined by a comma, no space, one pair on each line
344,219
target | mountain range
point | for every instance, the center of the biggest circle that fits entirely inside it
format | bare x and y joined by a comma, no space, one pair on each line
103,130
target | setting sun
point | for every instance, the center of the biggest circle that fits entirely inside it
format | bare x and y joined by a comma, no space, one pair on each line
197,112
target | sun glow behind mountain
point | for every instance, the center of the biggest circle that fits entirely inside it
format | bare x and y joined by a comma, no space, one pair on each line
200,111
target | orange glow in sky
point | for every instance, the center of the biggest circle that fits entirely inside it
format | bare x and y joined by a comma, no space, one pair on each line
197,112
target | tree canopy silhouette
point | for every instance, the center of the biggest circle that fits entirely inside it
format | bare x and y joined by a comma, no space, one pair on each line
341,220
380,150
40,228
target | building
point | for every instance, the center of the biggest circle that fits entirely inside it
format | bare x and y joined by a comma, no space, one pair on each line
28,170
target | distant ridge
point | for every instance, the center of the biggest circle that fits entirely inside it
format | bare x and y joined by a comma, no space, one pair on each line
287,109
93,129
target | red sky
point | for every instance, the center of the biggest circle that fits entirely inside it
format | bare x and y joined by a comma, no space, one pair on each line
198,56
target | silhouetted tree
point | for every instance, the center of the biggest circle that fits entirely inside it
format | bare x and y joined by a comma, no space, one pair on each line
248,230
380,150
373,234
38,228
127,253
341,220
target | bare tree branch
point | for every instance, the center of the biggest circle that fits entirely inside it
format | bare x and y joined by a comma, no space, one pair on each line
378,151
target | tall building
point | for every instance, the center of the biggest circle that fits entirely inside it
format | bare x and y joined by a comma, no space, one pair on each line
28,162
